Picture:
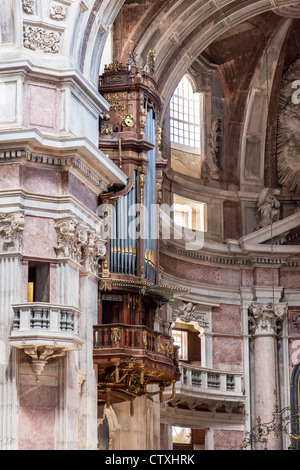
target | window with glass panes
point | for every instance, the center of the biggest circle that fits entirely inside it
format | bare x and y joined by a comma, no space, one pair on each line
185,115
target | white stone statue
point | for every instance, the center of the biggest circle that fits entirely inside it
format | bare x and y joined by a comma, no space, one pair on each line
268,206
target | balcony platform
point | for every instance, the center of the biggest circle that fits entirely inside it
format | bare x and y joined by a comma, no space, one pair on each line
130,357
44,324
202,388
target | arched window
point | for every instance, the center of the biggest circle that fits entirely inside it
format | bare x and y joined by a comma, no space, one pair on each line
185,116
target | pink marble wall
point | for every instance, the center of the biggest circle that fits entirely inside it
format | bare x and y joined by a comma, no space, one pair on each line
40,237
266,276
247,277
42,107
228,440
227,353
9,176
227,319
41,181
200,273
290,278
37,417
82,193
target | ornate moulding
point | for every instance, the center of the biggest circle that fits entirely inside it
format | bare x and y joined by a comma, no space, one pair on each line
41,39
292,11
79,242
188,312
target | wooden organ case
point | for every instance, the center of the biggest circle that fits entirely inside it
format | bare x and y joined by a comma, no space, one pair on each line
130,350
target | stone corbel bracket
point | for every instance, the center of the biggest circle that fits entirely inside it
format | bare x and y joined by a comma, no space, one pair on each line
40,355
11,231
77,241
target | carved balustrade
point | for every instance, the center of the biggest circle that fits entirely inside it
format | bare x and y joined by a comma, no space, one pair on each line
45,324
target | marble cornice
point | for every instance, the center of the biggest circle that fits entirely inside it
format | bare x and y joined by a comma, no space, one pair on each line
78,153
216,257
64,74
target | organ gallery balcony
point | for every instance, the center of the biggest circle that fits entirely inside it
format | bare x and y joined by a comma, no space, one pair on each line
45,331
130,358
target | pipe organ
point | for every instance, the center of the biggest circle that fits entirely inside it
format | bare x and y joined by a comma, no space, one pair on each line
130,353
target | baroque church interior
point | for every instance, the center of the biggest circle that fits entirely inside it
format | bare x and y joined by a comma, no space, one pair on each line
149,225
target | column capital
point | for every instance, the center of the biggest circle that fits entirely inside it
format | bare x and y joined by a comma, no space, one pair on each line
266,318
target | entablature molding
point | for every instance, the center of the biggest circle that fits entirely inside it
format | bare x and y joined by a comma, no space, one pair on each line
78,153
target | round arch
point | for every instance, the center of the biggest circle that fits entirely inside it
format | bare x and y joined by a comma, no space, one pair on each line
295,400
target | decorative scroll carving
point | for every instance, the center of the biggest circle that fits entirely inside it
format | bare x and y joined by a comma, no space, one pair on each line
28,6
58,12
268,206
77,241
36,38
266,319
11,231
288,137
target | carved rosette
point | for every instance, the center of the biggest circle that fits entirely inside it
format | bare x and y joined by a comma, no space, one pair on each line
11,232
58,12
79,242
266,319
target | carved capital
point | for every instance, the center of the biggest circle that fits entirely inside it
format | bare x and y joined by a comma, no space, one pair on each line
79,242
266,319
11,231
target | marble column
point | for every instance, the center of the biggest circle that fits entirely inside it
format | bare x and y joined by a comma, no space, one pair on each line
265,320
10,280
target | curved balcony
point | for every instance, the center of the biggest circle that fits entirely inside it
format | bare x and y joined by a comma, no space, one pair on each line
45,331
215,388
130,357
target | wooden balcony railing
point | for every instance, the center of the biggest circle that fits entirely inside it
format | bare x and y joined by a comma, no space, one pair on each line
112,342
